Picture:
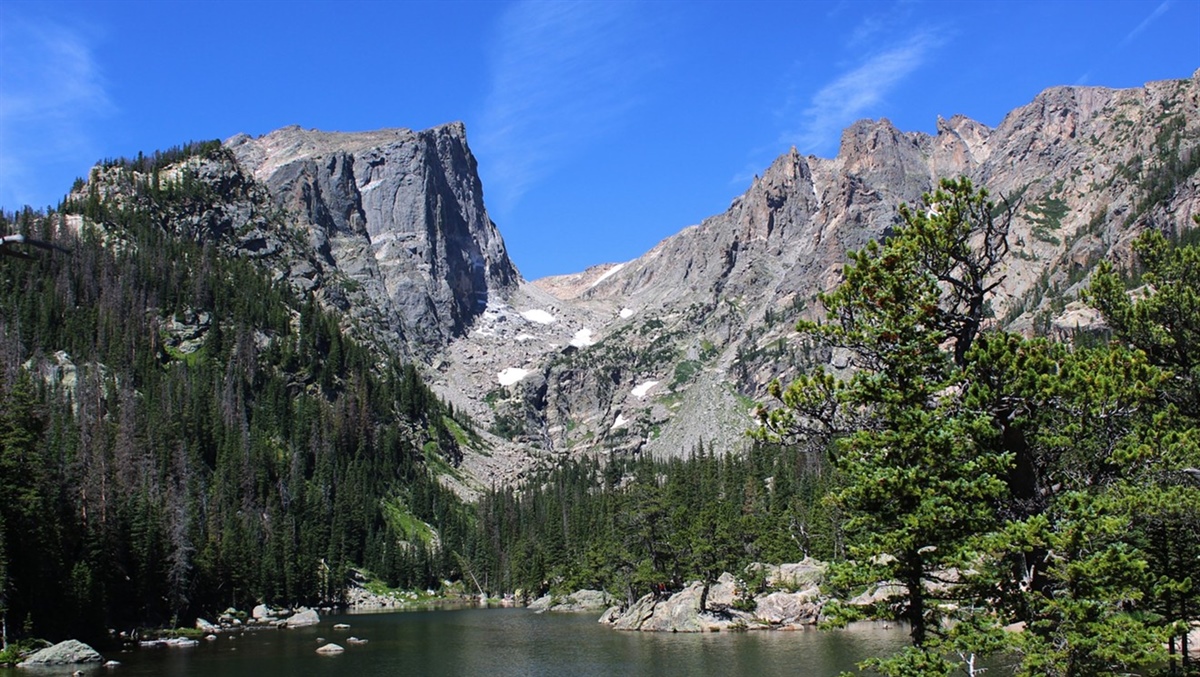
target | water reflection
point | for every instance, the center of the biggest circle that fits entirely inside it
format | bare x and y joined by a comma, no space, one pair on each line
504,642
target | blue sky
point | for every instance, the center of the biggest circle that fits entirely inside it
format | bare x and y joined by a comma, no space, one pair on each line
600,128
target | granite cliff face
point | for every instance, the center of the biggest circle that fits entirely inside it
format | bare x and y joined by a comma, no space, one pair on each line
399,213
387,226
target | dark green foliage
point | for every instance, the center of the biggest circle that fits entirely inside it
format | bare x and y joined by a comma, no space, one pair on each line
632,524
144,481
1018,480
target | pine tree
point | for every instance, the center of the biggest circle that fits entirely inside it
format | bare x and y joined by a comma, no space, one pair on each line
921,479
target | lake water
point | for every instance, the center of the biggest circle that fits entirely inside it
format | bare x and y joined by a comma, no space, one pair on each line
503,642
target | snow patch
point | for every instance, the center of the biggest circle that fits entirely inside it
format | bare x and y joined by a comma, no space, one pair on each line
607,274
583,338
539,316
511,375
640,391
521,338
619,422
626,313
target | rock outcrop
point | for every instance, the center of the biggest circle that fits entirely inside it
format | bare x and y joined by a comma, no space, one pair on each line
398,213
580,600
68,652
681,611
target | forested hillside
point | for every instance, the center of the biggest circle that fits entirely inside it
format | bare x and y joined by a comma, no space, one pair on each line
181,433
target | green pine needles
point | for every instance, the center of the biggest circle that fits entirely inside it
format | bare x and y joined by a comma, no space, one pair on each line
993,481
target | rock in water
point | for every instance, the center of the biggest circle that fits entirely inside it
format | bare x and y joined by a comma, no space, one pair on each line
303,618
330,648
65,653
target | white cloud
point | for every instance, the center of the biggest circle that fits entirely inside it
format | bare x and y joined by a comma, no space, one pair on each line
51,90
854,93
563,75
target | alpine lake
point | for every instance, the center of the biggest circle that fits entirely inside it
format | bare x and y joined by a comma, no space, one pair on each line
501,642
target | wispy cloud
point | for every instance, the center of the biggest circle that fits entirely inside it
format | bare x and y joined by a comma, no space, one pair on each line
1158,11
51,88
855,92
564,74
1132,35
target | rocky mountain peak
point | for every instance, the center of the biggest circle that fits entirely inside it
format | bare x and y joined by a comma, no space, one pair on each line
680,337
399,214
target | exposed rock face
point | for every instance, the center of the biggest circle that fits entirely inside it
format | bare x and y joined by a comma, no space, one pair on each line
400,213
680,612
673,348
793,576
789,608
69,652
707,315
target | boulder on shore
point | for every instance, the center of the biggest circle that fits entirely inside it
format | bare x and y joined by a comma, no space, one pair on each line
64,653
680,612
789,608
263,613
580,600
795,576
303,618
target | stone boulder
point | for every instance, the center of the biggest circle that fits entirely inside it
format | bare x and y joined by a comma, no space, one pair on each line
303,618
580,600
879,593
794,576
789,608
67,652
681,611
330,649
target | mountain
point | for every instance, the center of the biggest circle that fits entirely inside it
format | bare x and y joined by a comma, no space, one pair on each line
388,226
398,213
674,348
